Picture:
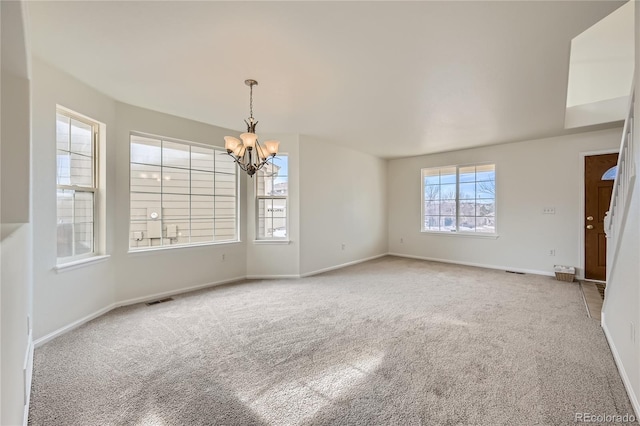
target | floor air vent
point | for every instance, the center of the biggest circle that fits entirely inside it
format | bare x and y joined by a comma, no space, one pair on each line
155,302
515,272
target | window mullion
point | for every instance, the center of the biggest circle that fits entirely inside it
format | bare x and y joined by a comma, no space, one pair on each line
94,156
77,188
95,182
457,199
215,200
73,202
190,199
73,225
161,193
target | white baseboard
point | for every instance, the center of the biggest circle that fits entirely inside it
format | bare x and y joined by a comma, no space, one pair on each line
62,330
623,373
59,332
175,292
477,265
271,277
343,265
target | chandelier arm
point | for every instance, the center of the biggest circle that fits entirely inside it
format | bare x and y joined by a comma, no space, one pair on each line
266,161
237,161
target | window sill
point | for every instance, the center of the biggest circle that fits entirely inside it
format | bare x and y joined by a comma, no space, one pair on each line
69,266
463,234
179,246
260,242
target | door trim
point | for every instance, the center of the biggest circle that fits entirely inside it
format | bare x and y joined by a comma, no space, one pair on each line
581,220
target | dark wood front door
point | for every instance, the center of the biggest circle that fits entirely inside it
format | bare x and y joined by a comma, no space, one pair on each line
597,194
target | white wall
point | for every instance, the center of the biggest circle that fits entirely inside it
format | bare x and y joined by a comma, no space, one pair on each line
621,311
276,259
15,247
342,202
61,298
530,175
143,274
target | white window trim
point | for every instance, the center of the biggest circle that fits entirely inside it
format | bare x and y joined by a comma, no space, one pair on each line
486,235
271,240
283,241
80,263
151,249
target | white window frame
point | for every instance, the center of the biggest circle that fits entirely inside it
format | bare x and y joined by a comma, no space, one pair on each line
93,189
493,234
218,151
261,238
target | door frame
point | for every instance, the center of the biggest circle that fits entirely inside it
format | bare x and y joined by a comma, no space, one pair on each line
581,220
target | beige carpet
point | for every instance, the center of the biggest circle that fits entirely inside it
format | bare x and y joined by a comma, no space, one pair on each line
388,342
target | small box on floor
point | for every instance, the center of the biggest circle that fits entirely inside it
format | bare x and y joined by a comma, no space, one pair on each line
565,273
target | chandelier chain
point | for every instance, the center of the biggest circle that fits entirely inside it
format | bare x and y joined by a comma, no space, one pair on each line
251,101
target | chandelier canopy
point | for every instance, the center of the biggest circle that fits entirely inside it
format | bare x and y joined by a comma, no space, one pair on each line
247,152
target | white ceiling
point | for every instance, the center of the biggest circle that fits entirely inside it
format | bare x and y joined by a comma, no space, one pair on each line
392,78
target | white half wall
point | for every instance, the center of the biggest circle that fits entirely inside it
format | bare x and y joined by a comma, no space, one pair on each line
343,197
602,59
601,70
621,310
16,327
530,176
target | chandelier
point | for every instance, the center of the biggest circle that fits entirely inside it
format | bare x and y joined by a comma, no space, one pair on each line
247,151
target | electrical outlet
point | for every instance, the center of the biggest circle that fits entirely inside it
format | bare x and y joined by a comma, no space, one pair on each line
343,246
548,210
551,252
224,257
401,240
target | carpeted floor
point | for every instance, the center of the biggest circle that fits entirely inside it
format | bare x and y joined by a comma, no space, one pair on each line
388,342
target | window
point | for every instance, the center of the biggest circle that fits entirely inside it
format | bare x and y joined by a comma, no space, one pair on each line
77,185
182,193
610,174
459,199
272,190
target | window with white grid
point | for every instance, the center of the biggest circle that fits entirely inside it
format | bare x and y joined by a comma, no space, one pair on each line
182,193
77,185
459,199
272,192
